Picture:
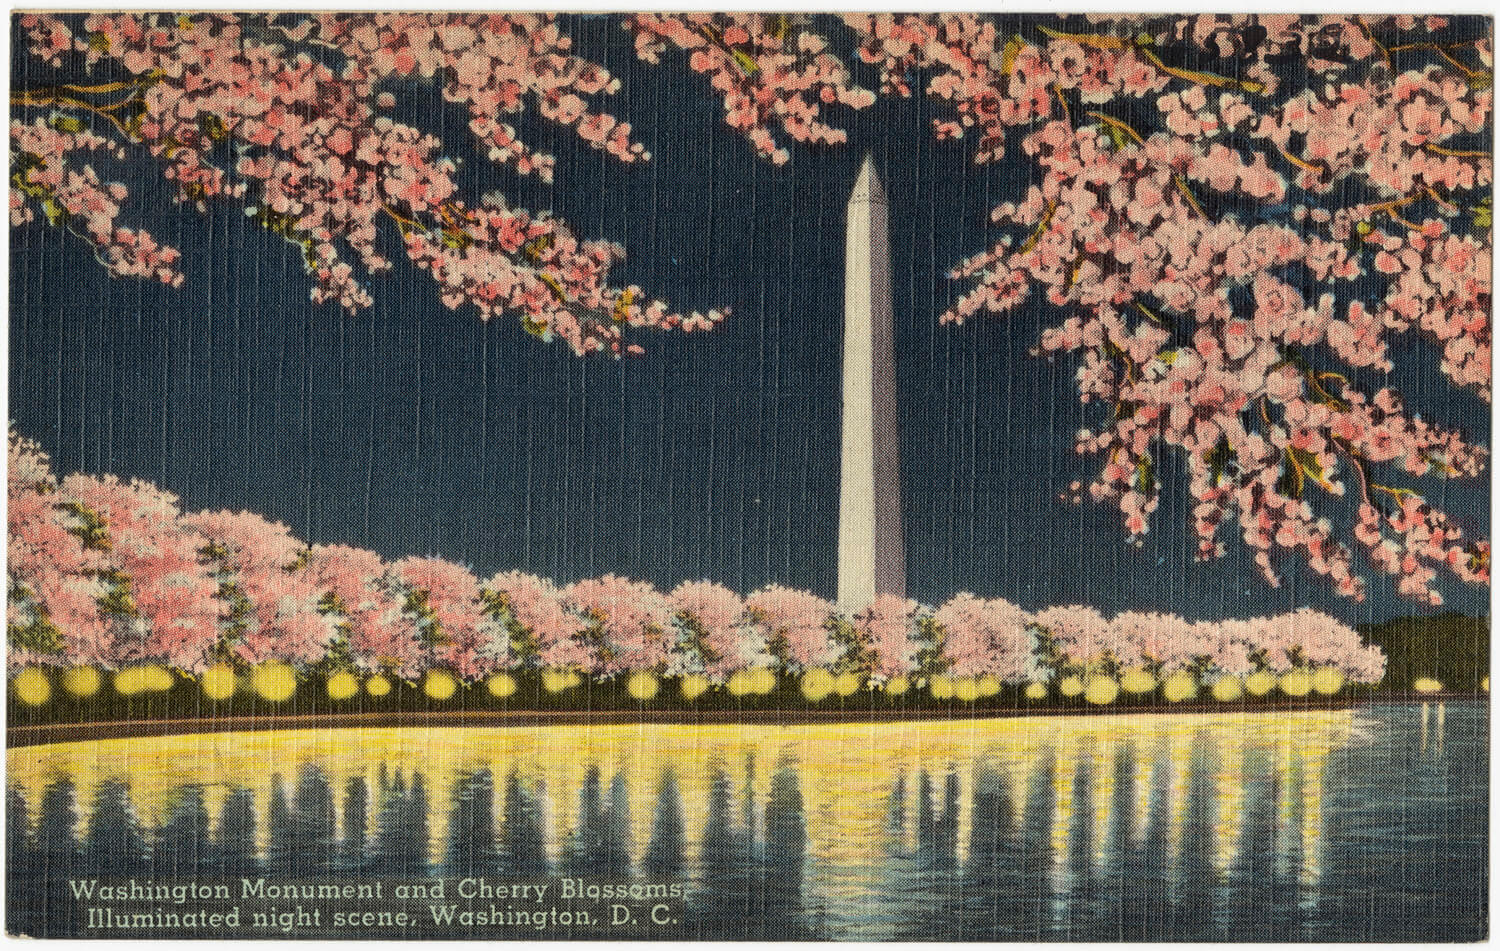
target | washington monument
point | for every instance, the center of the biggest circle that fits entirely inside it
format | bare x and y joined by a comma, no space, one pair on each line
872,556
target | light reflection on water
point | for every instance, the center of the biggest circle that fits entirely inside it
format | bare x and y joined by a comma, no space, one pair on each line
1244,826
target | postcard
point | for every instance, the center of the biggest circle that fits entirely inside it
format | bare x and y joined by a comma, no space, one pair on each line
678,476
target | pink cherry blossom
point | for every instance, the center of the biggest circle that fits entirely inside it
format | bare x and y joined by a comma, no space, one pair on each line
770,70
258,567
796,626
627,621
713,617
160,596
887,635
538,609
443,602
368,609
1077,634
985,636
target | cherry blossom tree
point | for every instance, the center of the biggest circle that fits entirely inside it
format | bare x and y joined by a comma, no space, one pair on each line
626,623
1074,638
160,596
444,605
271,602
369,613
543,630
985,636
52,575
795,625
712,619
887,637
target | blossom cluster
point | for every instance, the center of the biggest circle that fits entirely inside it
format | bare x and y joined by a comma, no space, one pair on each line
770,70
51,171
109,573
1185,304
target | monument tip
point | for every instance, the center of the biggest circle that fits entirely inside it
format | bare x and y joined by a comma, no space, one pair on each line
867,187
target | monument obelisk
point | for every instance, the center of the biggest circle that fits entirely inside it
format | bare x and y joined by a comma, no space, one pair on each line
872,555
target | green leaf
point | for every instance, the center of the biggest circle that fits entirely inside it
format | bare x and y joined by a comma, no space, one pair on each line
1218,459
1145,475
1309,465
745,61
1008,55
63,122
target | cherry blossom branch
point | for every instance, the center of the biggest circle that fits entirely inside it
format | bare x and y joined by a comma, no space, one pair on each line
1190,75
319,165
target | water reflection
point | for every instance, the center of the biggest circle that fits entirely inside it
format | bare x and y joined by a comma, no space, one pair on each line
1257,827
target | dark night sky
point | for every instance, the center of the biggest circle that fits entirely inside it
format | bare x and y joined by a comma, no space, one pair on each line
413,429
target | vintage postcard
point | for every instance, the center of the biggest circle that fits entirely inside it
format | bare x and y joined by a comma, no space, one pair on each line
834,476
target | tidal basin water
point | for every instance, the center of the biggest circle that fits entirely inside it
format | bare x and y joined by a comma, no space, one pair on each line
1362,824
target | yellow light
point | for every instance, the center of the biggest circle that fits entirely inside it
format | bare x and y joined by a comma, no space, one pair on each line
1101,690
693,686
1485,683
274,681
989,685
501,685
1180,686
142,678
1227,689
1296,683
1427,685
1260,683
1328,680
762,680
846,683
1036,691
81,681
896,686
817,684
1071,686
556,681
128,681
378,685
941,688
32,687
342,685
740,683
642,685
1137,680
159,678
219,682
966,689
439,684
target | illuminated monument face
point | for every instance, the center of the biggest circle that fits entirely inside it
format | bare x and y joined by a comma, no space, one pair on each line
872,558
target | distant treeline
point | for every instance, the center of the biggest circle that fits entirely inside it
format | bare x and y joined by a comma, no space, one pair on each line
1450,648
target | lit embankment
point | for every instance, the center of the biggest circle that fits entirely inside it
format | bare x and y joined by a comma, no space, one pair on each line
47,705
